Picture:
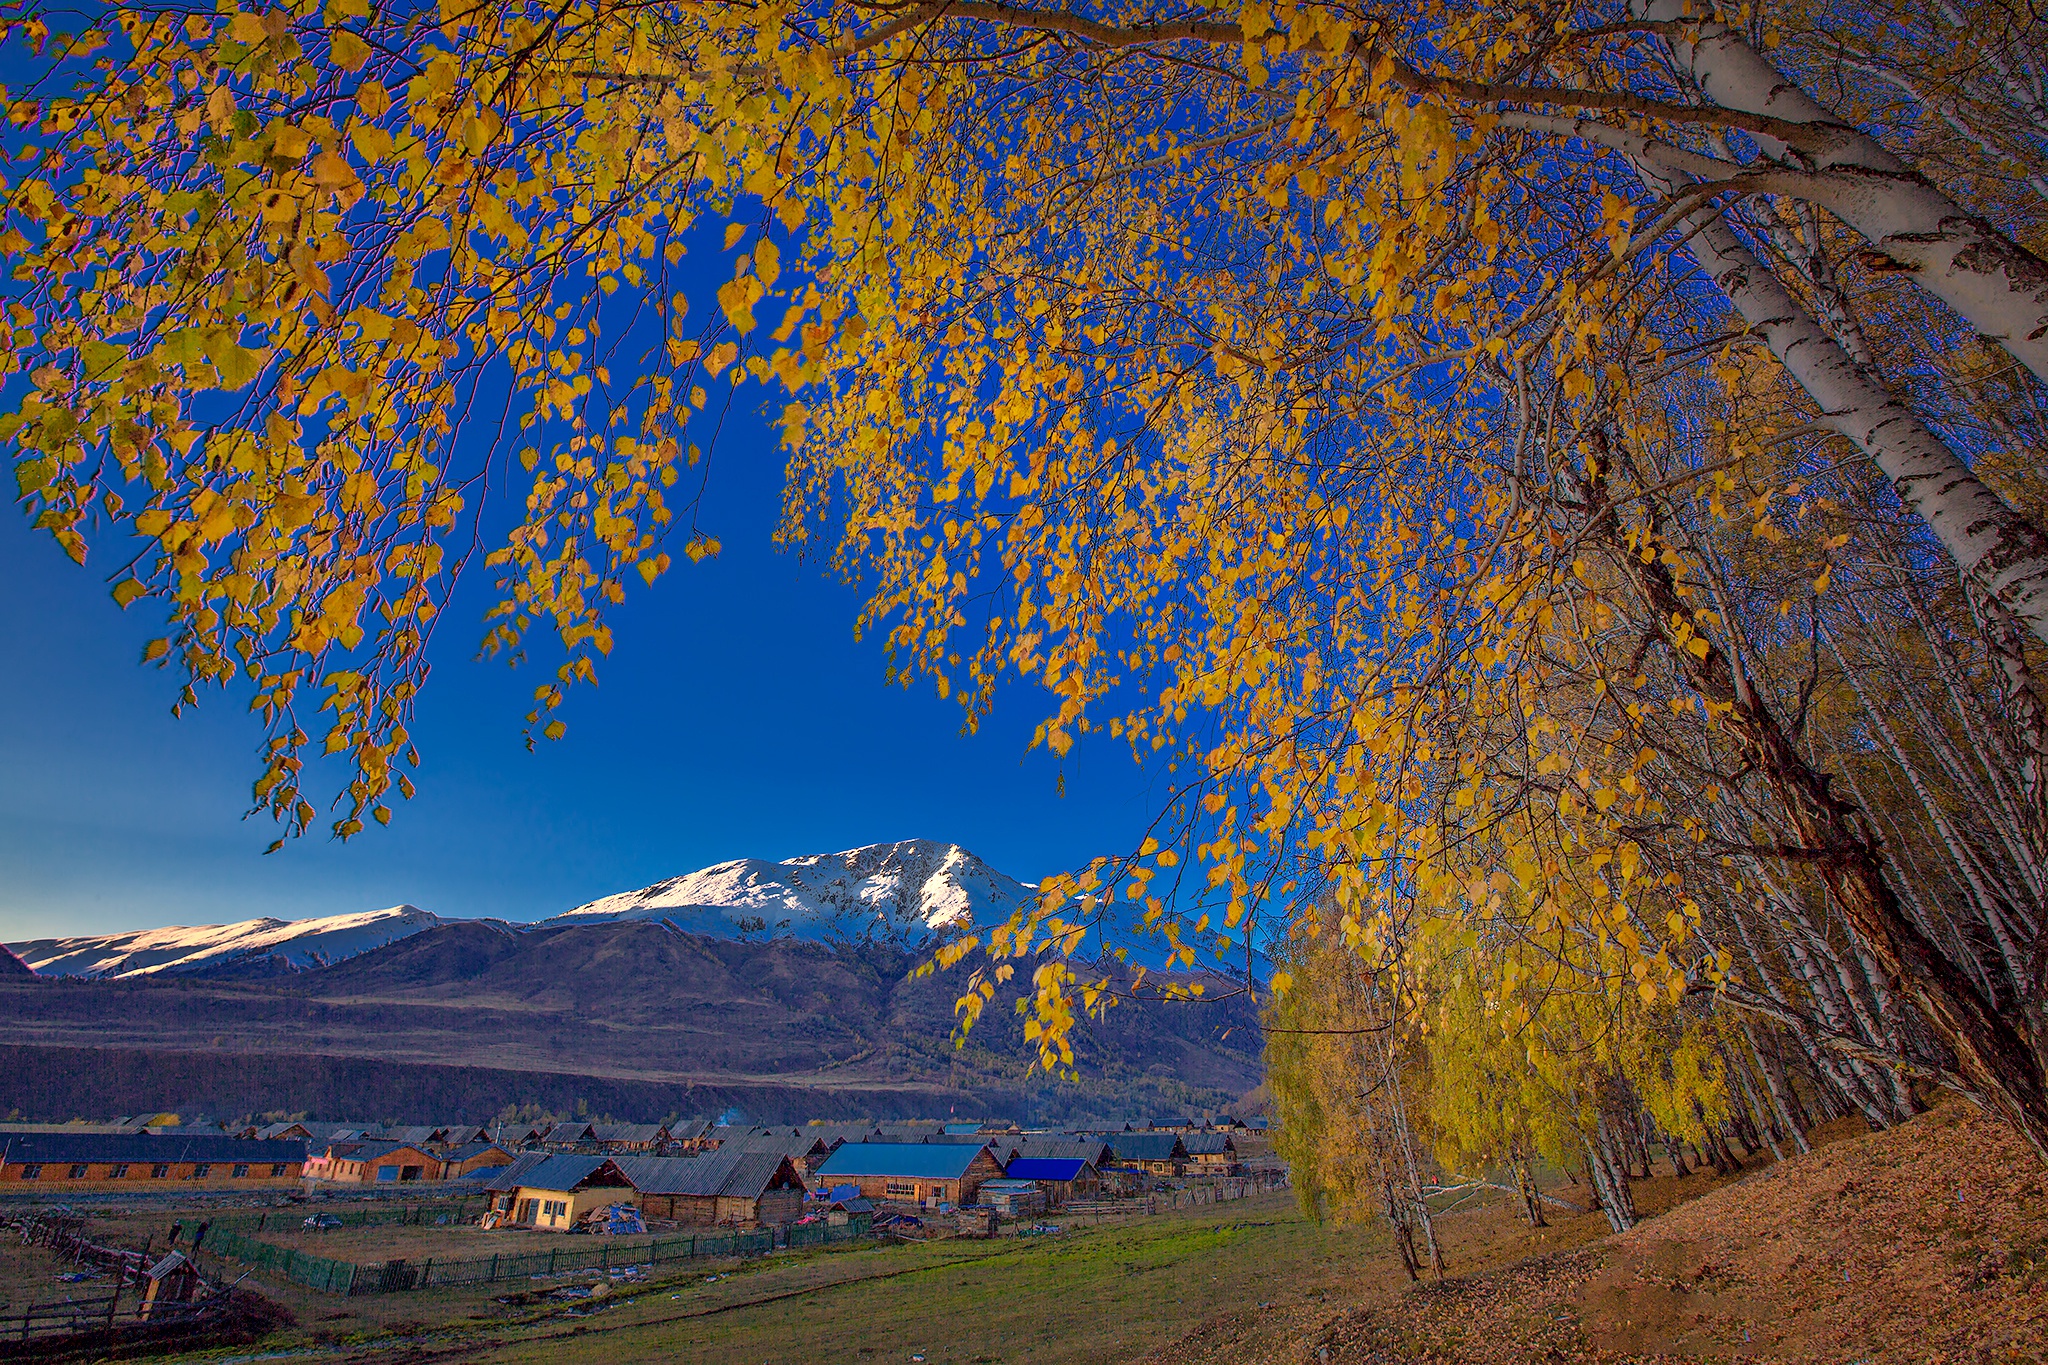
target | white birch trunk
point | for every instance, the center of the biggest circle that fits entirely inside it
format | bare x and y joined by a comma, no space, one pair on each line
1992,544
1991,281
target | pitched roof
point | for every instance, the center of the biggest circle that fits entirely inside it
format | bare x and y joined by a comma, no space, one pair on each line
503,1179
569,1132
1094,1150
1208,1144
567,1173
689,1130
1146,1146
801,1146
911,1160
58,1148
1046,1168
726,1173
631,1132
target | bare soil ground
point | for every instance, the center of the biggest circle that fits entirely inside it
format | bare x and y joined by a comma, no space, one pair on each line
1925,1244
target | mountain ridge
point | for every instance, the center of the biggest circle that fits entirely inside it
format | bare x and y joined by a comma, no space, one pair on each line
904,895
605,1011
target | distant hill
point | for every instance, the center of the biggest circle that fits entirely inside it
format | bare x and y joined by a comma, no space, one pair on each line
253,947
463,1017
10,965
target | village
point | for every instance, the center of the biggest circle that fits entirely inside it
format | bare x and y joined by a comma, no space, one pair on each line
180,1232
575,1175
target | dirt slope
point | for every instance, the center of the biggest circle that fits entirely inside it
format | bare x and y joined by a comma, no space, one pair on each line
1928,1243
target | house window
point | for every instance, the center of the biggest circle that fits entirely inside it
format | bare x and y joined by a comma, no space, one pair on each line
278,1169
387,1173
119,1172
160,1170
199,1172
241,1170
899,1189
78,1171
32,1172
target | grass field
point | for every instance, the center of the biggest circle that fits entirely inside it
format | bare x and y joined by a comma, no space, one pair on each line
1091,1295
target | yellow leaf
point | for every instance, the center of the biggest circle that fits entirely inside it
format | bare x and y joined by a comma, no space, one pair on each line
348,51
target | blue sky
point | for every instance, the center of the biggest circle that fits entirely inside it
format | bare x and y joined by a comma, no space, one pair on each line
737,717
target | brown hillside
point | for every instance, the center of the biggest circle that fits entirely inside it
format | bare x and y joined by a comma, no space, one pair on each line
1928,1243
634,1018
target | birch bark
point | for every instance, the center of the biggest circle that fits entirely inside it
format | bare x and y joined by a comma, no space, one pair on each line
2000,288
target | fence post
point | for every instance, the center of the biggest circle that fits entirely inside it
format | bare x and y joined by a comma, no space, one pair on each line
427,1273
494,1269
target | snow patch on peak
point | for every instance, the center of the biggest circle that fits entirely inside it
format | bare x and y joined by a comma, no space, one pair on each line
293,944
903,894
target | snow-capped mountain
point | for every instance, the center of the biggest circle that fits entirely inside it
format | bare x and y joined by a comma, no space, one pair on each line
288,944
903,894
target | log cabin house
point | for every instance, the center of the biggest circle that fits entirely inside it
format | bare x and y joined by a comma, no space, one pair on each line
732,1187
1060,1178
1152,1153
1211,1154
923,1173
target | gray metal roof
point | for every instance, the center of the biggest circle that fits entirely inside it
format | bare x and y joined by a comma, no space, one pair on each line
559,1173
727,1173
1146,1146
504,1179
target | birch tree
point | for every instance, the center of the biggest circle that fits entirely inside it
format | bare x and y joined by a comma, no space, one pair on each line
1330,402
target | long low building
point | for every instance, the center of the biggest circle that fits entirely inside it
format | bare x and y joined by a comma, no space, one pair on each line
80,1161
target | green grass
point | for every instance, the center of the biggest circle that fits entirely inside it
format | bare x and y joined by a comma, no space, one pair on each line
1092,1295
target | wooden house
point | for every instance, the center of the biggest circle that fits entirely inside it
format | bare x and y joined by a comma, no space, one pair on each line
732,1187
1210,1154
1152,1153
574,1133
691,1135
630,1137
554,1194
801,1146
922,1173
1093,1150
374,1163
457,1162
1059,1178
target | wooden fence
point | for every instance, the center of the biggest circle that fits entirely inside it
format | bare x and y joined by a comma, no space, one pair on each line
64,1234
330,1276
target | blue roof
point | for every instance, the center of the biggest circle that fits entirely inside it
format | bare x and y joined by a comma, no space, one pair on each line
910,1160
1045,1168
